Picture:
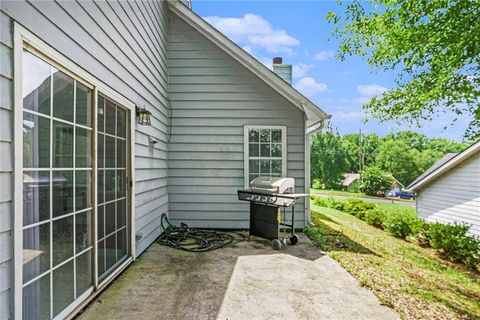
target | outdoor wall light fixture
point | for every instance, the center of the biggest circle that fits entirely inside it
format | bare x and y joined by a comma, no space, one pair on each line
143,116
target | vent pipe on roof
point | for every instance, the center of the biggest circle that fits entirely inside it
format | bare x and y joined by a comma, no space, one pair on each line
284,71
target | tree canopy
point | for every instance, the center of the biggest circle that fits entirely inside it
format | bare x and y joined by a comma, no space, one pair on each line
375,180
405,155
328,159
434,46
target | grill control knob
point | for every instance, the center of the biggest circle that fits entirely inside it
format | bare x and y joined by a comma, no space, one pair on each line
264,199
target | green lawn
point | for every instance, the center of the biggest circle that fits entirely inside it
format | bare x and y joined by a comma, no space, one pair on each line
340,193
412,280
331,192
393,206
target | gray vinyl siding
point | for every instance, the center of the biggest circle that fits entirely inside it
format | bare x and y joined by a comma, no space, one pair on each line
6,166
454,196
124,45
212,97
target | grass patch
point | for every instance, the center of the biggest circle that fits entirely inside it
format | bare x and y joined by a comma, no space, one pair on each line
340,193
331,192
389,207
412,280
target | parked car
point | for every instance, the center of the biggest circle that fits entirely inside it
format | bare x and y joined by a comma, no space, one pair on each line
399,194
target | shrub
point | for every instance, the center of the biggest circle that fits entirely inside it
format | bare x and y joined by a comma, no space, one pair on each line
375,181
422,236
316,184
329,203
357,207
454,243
319,201
375,217
335,204
402,224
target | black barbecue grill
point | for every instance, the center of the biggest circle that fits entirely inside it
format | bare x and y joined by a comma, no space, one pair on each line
267,196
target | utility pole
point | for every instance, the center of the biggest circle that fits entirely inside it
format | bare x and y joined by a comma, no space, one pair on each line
361,155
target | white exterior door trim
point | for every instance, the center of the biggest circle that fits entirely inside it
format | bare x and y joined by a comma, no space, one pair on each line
24,39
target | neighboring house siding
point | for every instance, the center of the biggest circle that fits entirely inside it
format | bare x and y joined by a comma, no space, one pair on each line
212,98
6,166
454,196
124,45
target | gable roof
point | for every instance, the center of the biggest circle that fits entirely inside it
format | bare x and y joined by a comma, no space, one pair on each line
449,161
350,178
314,114
396,181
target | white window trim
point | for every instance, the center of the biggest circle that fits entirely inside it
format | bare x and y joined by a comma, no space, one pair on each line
24,39
246,164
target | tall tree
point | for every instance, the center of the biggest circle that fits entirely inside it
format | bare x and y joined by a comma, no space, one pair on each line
328,159
413,140
369,145
397,158
350,143
433,45
445,146
375,181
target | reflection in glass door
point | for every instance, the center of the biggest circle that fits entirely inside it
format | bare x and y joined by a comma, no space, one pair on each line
112,226
57,190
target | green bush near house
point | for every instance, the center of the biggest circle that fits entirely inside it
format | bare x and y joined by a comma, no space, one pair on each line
330,202
402,224
357,207
454,243
375,217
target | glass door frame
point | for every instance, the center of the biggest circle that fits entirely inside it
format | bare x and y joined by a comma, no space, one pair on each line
24,39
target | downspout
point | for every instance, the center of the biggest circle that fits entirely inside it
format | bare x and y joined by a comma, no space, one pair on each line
308,133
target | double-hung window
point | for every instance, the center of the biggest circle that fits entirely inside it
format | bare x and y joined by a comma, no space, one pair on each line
265,150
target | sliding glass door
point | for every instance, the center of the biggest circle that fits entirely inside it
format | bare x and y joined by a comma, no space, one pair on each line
58,190
112,226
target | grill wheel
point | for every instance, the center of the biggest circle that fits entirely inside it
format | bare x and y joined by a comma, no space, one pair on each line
294,239
276,244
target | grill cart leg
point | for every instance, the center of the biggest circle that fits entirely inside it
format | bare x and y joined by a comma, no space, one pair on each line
293,237
283,223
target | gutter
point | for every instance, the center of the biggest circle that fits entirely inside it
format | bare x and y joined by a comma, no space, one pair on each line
318,126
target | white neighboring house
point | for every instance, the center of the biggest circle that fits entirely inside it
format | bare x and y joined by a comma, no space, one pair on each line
449,191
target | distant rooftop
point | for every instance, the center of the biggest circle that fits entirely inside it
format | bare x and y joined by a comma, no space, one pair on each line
350,178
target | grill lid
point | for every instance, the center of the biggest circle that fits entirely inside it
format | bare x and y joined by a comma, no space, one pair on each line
272,184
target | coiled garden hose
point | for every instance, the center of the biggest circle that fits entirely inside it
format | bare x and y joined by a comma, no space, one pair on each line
190,239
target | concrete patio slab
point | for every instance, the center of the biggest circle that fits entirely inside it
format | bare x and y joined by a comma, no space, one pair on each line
281,286
246,280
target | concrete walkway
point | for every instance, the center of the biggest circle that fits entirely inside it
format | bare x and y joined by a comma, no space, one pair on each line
246,280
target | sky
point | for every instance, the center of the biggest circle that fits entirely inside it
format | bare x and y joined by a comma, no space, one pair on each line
298,32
